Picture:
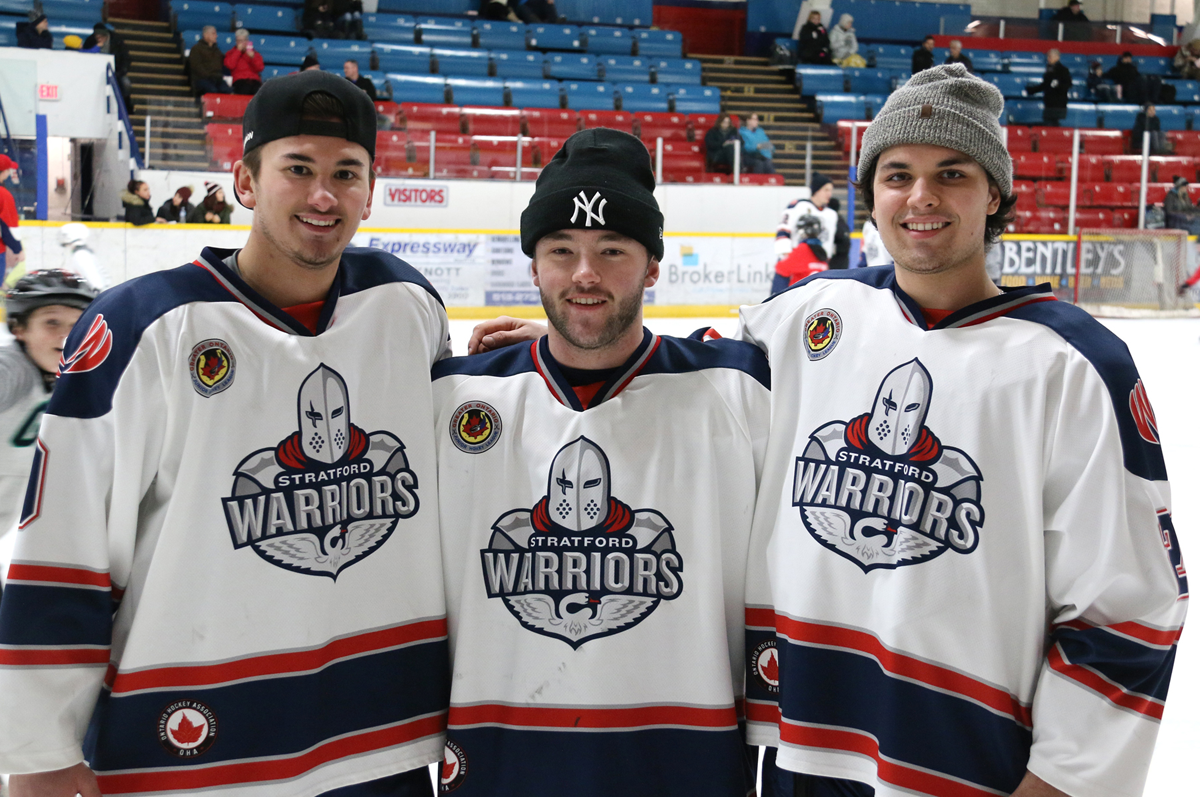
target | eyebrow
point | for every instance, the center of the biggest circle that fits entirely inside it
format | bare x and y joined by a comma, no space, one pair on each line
958,160
298,158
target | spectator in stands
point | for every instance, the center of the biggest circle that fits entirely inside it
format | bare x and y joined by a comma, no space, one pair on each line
1071,12
10,255
957,56
1056,82
496,10
136,199
719,142
843,44
1147,121
1130,83
244,64
348,14
814,41
533,12
1181,214
206,65
176,209
72,42
105,41
1187,60
214,209
318,19
350,70
923,56
1100,88
310,62
757,150
35,34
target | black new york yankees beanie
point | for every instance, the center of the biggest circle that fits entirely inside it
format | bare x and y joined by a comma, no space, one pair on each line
600,180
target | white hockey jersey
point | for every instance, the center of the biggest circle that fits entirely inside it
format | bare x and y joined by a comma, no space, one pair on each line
971,567
595,560
23,398
787,235
229,558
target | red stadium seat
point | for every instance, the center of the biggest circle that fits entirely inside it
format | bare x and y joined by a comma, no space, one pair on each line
224,106
1194,193
653,124
703,121
762,179
1020,139
1054,193
491,121
225,141
500,150
1026,193
696,177
1091,168
1093,217
557,124
1103,142
1109,195
1054,139
542,149
618,120
1187,142
461,171
1126,218
508,172
1045,221
389,109
1034,164
422,117
1156,193
1165,170
394,163
1124,168
682,163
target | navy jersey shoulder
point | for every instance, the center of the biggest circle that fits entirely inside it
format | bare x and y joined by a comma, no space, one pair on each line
509,361
369,268
881,277
104,339
686,355
1109,355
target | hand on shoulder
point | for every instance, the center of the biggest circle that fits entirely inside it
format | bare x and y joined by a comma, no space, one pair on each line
503,331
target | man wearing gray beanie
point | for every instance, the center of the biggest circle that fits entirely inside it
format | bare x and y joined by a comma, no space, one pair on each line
587,460
973,578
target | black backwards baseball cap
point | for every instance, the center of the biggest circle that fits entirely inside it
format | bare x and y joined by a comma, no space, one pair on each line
600,180
277,111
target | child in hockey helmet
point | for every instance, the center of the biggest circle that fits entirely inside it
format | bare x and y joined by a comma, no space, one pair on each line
807,257
41,309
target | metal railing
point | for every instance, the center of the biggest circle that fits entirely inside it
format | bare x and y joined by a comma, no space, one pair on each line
111,77
1052,30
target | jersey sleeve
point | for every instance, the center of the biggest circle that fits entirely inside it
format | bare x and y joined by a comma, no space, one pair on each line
1115,585
17,378
783,233
94,464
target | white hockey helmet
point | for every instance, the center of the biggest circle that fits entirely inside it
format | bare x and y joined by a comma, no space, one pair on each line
73,234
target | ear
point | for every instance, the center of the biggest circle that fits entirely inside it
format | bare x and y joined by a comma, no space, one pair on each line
652,273
993,199
534,269
370,195
243,185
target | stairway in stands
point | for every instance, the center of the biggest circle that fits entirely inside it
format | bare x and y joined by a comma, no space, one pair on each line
161,92
752,85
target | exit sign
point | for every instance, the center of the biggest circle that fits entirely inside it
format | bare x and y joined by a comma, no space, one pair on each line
47,91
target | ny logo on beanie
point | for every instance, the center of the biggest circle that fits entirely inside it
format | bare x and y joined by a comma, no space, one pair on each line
585,204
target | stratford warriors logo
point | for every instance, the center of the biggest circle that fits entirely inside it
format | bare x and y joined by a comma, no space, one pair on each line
327,495
881,489
581,564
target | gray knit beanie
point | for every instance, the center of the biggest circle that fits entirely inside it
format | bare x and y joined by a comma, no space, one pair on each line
945,106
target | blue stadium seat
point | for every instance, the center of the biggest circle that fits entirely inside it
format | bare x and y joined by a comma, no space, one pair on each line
72,10
462,63
429,6
677,71
873,103
609,41
986,60
1020,58
186,38
1173,117
611,12
445,35
832,108
406,58
1009,85
534,93
1186,91
333,53
1151,65
659,43
417,88
1116,116
396,28
869,81
8,35
383,89
890,56
259,17
812,80
501,35
288,50
643,97
625,69
696,99
274,70
1075,62
554,37
527,64
900,77
470,91
1022,112
442,21
572,66
1080,114
190,15
589,96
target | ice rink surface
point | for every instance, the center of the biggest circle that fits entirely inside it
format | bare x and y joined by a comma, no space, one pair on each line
1167,353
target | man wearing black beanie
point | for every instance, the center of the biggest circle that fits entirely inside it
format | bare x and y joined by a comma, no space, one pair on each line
583,460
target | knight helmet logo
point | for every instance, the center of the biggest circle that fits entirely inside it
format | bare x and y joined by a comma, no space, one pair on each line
586,205
326,496
881,490
581,564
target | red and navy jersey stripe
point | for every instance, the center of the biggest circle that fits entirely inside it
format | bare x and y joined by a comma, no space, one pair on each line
56,615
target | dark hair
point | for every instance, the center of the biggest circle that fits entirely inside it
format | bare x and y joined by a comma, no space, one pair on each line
994,225
134,186
318,105
211,204
928,38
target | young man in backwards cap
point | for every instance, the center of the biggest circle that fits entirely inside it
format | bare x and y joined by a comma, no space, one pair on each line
971,572
596,487
229,560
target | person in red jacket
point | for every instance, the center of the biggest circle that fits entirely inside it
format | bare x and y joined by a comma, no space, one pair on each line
807,257
244,64
10,242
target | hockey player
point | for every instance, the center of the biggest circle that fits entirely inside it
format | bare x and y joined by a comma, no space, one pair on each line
228,575
594,558
74,237
41,308
971,572
806,258
788,234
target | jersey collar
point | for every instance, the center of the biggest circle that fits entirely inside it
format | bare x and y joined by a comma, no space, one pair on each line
547,366
977,313
212,260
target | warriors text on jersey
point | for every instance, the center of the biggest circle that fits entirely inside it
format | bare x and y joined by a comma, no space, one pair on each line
595,559
229,559
967,533
23,397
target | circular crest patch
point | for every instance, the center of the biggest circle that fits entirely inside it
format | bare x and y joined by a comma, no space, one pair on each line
475,427
454,767
822,331
187,728
212,367
764,663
